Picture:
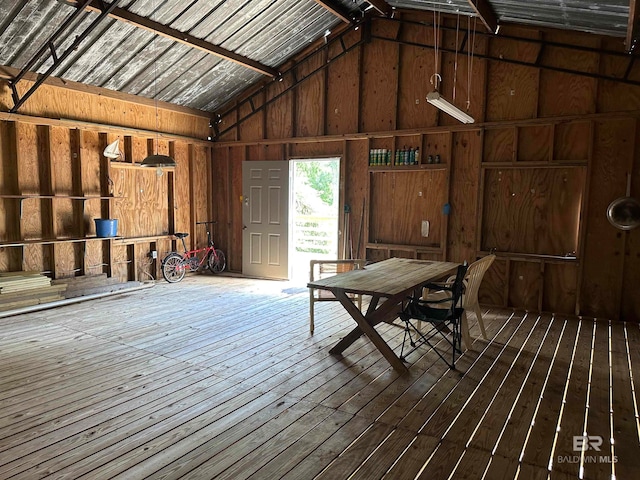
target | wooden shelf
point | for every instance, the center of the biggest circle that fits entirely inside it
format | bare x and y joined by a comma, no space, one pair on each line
410,248
45,241
536,257
65,197
400,168
142,239
137,165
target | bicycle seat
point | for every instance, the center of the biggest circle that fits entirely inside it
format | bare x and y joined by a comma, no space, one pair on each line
180,235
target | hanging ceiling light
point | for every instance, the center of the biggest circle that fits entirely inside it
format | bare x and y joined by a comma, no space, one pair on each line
156,160
437,100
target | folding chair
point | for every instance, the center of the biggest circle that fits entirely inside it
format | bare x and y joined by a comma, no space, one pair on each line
444,320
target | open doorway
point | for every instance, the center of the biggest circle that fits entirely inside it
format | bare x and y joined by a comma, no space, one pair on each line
315,213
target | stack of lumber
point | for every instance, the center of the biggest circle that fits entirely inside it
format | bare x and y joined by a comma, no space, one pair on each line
24,289
92,284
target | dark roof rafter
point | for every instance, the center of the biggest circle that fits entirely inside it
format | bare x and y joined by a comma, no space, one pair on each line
382,7
633,27
336,9
181,37
485,12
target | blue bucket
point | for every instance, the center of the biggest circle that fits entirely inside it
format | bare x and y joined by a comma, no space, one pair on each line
106,227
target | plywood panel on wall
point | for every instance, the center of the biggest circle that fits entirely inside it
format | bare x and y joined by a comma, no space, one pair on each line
310,97
200,183
512,92
417,65
494,284
465,182
566,94
525,284
181,208
253,127
560,287
221,196
90,157
604,247
379,82
234,255
279,112
533,210
355,182
343,90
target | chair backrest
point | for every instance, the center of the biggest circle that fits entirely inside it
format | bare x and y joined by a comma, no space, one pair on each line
319,269
475,274
457,287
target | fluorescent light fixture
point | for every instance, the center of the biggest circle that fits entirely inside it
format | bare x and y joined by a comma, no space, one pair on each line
435,99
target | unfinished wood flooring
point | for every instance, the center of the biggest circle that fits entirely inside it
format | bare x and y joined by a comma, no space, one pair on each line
218,377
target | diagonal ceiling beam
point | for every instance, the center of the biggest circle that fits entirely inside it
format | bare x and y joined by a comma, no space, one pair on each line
485,11
381,6
337,9
182,37
633,27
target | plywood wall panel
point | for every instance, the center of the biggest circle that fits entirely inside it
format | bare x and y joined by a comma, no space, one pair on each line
54,102
630,310
61,160
525,283
532,210
38,258
604,246
343,91
234,255
279,113
560,288
465,182
416,68
221,197
379,82
356,191
201,193
9,211
30,163
93,257
381,200
572,141
120,262
494,284
316,149
310,98
90,156
253,127
512,92
618,97
535,143
66,257
181,209
499,144
566,94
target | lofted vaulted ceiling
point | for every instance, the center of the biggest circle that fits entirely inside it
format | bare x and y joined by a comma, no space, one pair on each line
202,53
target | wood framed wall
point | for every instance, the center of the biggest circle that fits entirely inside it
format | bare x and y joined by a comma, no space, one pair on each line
54,181
554,138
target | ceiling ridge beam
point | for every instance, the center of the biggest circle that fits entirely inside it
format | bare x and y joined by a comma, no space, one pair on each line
184,38
485,11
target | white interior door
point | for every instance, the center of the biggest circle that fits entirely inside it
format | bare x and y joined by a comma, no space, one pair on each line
265,216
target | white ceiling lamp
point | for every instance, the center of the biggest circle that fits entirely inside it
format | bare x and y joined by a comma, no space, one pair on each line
434,97
437,100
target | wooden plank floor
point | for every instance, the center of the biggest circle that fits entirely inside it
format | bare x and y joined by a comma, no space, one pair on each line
218,377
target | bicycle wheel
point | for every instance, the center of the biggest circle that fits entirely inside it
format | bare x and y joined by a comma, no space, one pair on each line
217,262
173,268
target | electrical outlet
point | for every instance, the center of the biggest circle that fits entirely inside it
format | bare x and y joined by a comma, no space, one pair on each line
153,254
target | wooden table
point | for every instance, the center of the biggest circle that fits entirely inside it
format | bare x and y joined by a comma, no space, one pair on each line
392,280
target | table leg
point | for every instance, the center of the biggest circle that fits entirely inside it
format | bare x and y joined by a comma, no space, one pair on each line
367,328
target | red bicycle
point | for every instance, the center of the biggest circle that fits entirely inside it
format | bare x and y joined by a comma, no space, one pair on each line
175,265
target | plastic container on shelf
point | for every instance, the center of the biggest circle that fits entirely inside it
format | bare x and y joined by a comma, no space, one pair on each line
106,227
